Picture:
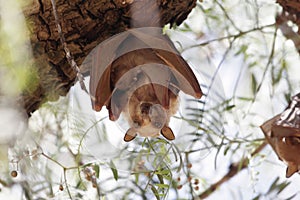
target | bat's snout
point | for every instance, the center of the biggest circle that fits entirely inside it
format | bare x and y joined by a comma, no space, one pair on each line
158,116
154,114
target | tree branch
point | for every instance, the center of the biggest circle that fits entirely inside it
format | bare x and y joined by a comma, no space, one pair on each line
234,169
282,23
84,25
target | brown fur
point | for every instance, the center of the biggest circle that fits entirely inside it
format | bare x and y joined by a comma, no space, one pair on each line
288,149
142,80
139,108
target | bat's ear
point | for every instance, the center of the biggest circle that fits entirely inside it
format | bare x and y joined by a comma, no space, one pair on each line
291,169
130,135
167,133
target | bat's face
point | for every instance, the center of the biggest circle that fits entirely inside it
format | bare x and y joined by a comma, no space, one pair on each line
283,134
287,149
148,118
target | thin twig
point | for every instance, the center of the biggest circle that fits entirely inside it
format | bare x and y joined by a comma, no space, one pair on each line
234,169
67,186
188,174
49,158
227,16
263,78
229,36
69,57
64,169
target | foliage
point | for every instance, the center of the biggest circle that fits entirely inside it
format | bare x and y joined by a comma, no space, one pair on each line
246,68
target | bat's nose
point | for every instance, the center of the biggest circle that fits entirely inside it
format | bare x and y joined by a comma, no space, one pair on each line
158,116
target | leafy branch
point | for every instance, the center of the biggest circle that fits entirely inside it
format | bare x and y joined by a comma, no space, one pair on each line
234,169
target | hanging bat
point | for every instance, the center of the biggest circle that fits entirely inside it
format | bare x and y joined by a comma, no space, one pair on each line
142,76
283,134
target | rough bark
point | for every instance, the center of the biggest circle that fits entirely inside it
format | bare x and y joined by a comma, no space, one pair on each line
291,8
85,23
290,13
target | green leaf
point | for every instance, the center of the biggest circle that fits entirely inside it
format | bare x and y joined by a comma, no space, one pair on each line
252,64
160,178
162,185
227,149
242,50
180,158
114,170
174,153
274,184
229,107
292,197
282,186
155,192
80,185
97,170
163,172
158,141
254,83
245,98
87,165
256,198
137,175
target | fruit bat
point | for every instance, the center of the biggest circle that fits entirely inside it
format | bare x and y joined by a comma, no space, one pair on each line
283,134
140,73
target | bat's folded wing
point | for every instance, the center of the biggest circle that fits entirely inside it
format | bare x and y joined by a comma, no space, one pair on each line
185,79
166,51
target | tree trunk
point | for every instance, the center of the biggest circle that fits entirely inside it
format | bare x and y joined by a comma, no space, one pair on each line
85,24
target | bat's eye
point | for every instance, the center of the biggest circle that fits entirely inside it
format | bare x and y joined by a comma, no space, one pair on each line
136,123
157,124
292,140
145,107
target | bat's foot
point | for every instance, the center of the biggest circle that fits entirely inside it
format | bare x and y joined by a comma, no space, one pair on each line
130,135
167,133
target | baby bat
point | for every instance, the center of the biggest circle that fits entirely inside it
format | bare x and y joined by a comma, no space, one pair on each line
283,134
142,78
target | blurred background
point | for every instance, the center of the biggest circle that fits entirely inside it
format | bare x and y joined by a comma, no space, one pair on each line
248,71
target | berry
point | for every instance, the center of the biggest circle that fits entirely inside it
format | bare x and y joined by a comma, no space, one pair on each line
179,187
14,173
61,187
